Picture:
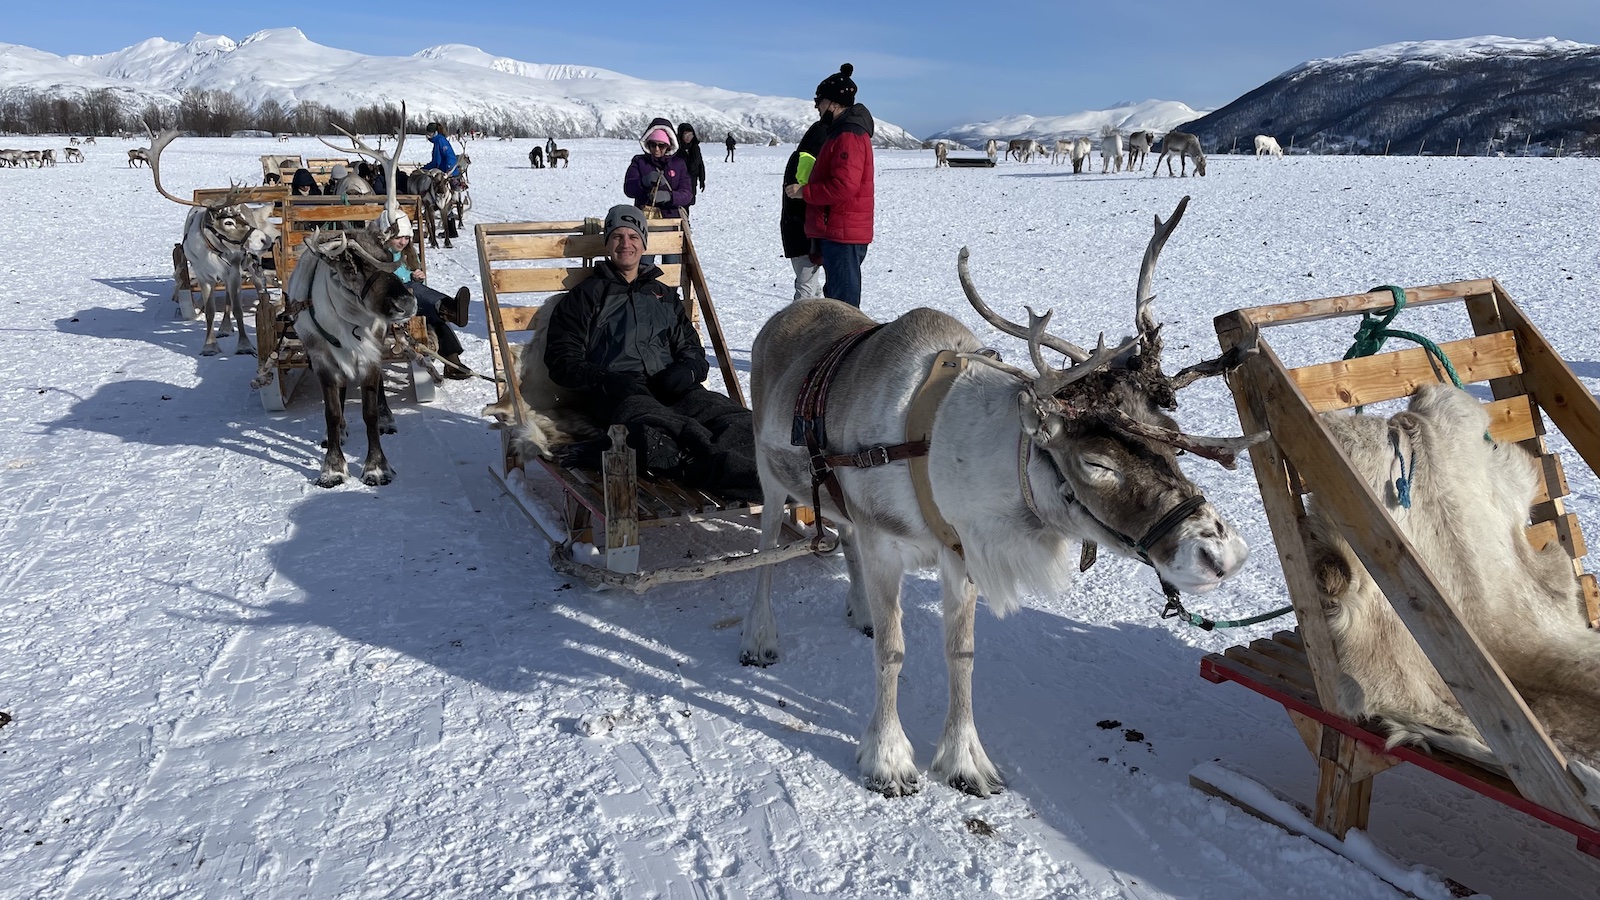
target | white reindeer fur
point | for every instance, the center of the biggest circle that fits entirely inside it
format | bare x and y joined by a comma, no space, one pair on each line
973,470
1470,501
360,333
548,421
1081,148
1110,150
1267,145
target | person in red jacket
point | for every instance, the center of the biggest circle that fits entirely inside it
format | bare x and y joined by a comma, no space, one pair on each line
839,195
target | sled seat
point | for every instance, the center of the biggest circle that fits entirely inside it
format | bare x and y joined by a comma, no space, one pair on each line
1529,384
283,359
523,265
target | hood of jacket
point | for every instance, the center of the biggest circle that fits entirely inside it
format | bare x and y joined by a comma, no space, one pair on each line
857,118
304,178
665,125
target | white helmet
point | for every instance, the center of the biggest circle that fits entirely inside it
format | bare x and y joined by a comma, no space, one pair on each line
394,223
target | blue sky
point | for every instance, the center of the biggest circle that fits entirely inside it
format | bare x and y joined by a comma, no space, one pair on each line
925,65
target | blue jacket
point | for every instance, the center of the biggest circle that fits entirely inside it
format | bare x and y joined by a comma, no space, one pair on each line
444,156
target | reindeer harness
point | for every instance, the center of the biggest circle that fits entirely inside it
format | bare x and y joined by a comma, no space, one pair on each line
810,412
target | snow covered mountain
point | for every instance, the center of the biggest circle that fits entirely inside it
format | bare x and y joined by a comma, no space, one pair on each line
450,82
1159,116
1488,92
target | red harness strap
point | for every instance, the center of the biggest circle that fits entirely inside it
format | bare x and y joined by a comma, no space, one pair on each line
810,414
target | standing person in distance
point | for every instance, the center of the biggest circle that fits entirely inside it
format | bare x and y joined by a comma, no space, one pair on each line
804,253
658,182
839,196
730,143
689,152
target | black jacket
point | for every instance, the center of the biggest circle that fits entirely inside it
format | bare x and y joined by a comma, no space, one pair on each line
693,161
304,178
792,212
608,336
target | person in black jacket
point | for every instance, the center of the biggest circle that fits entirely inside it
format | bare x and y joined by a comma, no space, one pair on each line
803,253
622,342
304,184
689,152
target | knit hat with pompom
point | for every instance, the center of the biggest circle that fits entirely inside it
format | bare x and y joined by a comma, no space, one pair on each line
838,87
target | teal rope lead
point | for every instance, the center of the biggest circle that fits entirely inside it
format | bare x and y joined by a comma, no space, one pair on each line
1175,609
1372,332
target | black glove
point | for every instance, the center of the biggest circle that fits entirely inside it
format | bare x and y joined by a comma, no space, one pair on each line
654,179
661,197
672,383
618,385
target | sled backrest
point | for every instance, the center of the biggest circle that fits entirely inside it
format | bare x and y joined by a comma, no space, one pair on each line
304,215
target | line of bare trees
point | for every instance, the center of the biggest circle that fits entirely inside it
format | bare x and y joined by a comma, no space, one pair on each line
207,113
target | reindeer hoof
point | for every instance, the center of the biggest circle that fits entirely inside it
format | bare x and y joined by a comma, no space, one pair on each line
903,786
209,350
377,476
760,660
977,787
329,479
244,350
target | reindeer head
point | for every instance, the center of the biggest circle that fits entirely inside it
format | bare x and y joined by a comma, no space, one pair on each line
244,226
361,266
1102,422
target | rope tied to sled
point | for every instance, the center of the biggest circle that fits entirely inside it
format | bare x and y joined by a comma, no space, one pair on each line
1372,332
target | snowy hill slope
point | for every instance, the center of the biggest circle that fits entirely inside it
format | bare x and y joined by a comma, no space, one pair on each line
1159,116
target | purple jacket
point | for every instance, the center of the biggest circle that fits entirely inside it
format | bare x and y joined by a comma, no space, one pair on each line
641,172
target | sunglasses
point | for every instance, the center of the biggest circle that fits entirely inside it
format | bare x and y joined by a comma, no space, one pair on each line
654,144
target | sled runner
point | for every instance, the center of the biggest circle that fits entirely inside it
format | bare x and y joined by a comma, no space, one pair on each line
969,162
611,508
1530,384
282,358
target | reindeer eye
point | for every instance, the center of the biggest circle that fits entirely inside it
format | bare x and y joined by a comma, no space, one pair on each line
1098,468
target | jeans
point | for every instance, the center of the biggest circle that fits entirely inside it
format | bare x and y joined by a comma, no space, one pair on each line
842,263
807,278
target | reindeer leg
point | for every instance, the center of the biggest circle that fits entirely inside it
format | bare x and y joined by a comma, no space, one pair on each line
759,646
236,307
376,469
206,294
857,609
385,415
960,760
887,763
333,466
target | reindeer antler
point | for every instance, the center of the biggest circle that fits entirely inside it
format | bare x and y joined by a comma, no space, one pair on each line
1224,450
1064,347
1145,321
1227,362
390,163
159,143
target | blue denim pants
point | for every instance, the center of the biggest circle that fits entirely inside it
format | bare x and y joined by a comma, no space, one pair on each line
842,265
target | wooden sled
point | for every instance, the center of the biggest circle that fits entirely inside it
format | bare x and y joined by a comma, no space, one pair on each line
1300,669
609,508
283,361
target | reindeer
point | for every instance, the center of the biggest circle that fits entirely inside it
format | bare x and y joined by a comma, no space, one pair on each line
1469,500
72,154
1267,145
31,158
1095,462
10,158
218,239
73,141
1061,151
1081,148
344,296
941,154
139,155
1019,148
283,139
560,153
1184,146
1138,148
991,149
1110,150
89,139
536,157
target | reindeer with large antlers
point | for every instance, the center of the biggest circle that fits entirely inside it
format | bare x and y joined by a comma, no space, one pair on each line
936,453
343,296
222,241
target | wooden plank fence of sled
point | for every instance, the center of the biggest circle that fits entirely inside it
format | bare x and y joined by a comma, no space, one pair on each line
1534,764
1387,376
512,247
719,343
552,279
1371,301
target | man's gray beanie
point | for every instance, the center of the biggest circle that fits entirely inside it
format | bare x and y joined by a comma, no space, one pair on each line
626,215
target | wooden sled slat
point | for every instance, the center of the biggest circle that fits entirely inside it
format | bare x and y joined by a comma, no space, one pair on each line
544,281
1388,376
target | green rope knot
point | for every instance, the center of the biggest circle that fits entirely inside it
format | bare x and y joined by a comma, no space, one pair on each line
1373,331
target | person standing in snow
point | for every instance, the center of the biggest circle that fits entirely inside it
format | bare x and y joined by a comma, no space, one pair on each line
656,181
804,253
730,143
689,152
839,196
444,156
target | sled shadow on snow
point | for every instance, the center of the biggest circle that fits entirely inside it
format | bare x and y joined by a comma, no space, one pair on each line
152,322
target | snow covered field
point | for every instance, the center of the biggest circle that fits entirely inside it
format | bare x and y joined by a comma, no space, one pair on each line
226,682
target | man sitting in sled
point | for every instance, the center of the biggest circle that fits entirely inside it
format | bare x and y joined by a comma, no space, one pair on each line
622,345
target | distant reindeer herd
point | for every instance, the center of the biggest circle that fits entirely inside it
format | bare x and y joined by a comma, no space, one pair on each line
1116,153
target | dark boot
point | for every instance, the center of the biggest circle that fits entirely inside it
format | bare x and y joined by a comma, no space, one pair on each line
455,369
455,308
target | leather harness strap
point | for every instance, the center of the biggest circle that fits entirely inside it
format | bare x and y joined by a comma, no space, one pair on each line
810,429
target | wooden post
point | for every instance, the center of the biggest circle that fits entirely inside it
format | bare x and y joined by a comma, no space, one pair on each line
1386,147
1458,146
622,517
1422,146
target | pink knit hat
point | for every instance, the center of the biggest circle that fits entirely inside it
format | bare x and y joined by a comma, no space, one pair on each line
659,134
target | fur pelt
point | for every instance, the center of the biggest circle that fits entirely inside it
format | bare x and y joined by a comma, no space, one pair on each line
549,420
1469,505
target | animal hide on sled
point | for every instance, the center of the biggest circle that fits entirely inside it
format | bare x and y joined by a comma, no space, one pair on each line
1469,499
548,421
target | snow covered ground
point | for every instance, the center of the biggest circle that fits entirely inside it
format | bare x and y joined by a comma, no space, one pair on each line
226,682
